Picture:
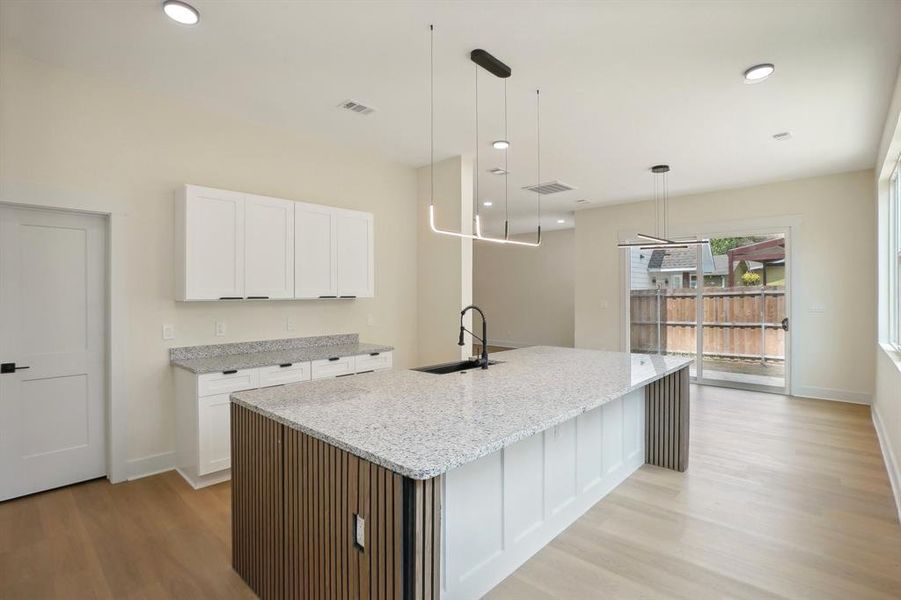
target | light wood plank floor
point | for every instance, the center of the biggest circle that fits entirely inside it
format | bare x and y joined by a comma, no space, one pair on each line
784,498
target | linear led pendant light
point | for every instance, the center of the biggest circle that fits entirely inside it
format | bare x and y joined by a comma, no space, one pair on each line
494,66
661,239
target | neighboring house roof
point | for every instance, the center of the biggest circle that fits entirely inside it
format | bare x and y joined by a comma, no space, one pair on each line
676,260
720,265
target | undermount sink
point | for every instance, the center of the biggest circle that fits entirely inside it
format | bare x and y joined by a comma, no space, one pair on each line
453,367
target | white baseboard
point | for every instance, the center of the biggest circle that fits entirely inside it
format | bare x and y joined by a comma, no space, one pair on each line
201,481
891,462
145,466
832,394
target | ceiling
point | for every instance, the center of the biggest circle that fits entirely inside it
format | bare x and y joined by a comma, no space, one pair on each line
624,85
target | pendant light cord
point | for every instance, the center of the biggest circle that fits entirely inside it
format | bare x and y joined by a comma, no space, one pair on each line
431,115
656,207
476,175
538,152
506,170
665,207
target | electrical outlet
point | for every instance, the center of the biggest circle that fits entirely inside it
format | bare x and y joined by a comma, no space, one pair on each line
220,328
290,324
359,531
168,332
370,320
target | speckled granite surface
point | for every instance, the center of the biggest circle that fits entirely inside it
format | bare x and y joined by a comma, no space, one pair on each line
246,355
421,425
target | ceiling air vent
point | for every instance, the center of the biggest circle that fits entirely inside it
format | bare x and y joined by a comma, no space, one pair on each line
354,106
549,187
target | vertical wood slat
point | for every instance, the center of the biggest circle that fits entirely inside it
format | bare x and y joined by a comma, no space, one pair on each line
667,421
257,523
293,501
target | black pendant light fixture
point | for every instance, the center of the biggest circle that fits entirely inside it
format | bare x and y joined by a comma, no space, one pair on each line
488,62
661,238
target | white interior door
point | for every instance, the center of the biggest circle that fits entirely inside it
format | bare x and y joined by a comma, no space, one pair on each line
53,333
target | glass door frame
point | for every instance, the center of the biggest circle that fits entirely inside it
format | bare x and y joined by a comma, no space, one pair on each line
732,229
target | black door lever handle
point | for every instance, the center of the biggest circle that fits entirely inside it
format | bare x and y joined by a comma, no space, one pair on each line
10,368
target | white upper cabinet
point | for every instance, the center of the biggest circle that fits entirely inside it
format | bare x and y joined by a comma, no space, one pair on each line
210,239
236,246
268,248
353,234
314,251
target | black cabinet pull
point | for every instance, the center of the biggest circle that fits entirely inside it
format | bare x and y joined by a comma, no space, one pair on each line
334,358
345,375
374,353
347,296
10,368
257,297
230,372
231,298
328,296
286,365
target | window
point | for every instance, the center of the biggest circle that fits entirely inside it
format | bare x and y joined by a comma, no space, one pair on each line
894,236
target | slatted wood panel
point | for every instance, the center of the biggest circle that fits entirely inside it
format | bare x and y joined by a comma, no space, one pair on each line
667,421
422,572
319,491
257,512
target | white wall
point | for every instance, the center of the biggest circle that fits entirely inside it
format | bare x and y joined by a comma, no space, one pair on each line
833,268
72,141
445,262
527,293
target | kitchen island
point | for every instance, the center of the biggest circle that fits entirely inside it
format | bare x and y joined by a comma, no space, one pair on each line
414,485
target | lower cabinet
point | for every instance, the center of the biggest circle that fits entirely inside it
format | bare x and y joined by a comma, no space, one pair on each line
203,408
214,445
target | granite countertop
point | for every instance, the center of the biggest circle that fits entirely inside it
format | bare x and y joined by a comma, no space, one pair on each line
421,425
246,355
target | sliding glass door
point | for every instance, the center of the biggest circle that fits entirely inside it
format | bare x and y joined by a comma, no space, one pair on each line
724,304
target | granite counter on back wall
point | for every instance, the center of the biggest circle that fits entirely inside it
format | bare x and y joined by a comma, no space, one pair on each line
246,355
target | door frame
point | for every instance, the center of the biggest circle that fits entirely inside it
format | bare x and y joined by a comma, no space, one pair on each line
789,225
45,198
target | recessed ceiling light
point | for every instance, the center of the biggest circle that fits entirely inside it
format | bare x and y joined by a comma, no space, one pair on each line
181,12
487,203
561,221
782,136
500,144
498,171
759,72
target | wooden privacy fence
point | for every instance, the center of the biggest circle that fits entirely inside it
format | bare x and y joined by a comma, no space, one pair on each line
738,322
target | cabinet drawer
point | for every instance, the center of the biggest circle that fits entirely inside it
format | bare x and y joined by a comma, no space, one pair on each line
281,374
332,367
373,362
227,382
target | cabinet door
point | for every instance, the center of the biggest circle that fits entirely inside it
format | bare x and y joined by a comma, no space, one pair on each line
268,247
214,244
354,249
314,252
215,434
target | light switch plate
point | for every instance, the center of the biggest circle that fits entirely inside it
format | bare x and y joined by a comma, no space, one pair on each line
168,332
359,531
220,328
